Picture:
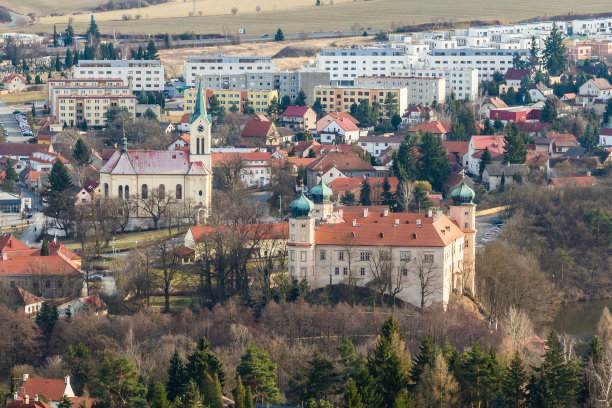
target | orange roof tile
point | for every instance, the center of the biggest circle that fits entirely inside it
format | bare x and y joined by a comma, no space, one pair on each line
434,127
341,160
53,389
277,230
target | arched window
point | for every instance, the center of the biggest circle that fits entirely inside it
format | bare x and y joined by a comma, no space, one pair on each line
127,192
197,141
162,191
105,189
179,192
120,191
144,191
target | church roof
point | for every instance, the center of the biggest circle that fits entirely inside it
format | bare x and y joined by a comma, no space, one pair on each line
200,107
153,162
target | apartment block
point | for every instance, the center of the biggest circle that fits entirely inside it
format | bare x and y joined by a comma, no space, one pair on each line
260,100
421,90
145,75
485,60
463,82
348,64
340,99
224,65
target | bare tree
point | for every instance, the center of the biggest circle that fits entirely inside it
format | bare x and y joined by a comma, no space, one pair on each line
156,204
426,275
166,273
351,255
228,172
405,195
599,378
381,267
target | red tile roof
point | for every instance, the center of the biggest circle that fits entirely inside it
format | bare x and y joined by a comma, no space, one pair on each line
325,120
256,128
296,111
153,162
278,230
301,161
302,145
533,126
94,303
341,160
25,297
13,76
220,158
516,74
53,389
582,181
495,143
434,127
42,265
457,148
22,149
353,184
31,404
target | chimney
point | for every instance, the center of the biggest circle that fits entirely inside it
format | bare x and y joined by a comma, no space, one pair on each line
15,396
397,221
588,173
26,399
365,213
429,213
67,380
25,376
4,258
340,213
36,397
354,222
386,212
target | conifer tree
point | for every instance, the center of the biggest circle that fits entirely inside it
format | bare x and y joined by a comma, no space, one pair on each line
352,399
54,36
203,362
280,36
239,394
65,402
514,382
484,160
44,249
438,387
10,176
158,397
93,29
69,35
554,52
46,318
212,394
259,373
434,163
176,376
421,201
300,99
151,52
499,401
426,357
365,193
191,398
388,197
80,153
248,399
515,145
595,351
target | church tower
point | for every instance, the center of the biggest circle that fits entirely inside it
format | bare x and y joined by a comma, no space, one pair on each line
463,212
200,130
302,240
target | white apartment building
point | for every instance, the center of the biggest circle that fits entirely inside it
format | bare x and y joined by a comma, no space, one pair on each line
528,29
599,26
485,60
347,64
225,65
83,87
145,75
421,90
463,82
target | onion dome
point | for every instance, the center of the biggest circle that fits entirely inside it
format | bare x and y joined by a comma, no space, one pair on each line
463,195
301,207
321,193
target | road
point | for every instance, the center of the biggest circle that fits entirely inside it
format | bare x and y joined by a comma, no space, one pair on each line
14,20
10,125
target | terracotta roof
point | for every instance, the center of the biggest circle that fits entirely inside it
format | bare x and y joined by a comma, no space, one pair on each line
278,230
434,127
341,160
108,153
87,402
327,119
302,145
257,117
422,110
376,229
516,74
13,76
301,161
35,175
582,181
457,148
42,265
220,158
353,184
533,126
562,136
94,303
9,244
495,143
51,388
285,131
569,96
256,128
346,115
185,118
153,162
296,111
25,297
601,83
47,157
62,251
536,158
22,149
495,101
31,404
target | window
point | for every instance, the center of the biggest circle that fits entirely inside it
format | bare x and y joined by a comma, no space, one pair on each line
292,255
362,271
127,192
47,284
405,255
303,256
144,191
120,192
59,284
428,258
322,255
337,270
105,189
345,271
162,191
365,256
341,256
404,272
179,192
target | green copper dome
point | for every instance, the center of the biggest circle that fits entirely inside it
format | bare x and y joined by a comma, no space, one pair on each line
301,207
463,195
321,193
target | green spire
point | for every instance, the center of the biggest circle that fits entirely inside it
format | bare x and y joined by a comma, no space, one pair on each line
200,106
124,145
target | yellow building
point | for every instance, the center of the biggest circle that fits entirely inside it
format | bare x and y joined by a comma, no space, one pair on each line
260,100
184,176
340,99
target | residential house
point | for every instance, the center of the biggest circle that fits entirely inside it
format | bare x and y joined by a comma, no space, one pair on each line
299,119
574,181
321,123
259,133
14,83
181,143
255,167
539,92
491,103
342,129
166,126
435,127
533,128
52,389
595,88
477,145
514,76
86,194
43,161
303,147
375,145
22,151
88,304
286,135
605,137
30,303
27,402
417,114
495,174
336,164
457,152
516,114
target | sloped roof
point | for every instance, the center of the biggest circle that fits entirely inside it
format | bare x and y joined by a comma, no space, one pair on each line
152,162
325,120
434,127
601,83
516,74
51,388
41,265
90,185
344,123
220,158
302,145
341,160
533,126
256,128
375,229
381,139
296,111
94,303
341,184
495,143
496,102
277,230
22,149
497,169
321,150
301,161
31,404
458,148
582,181
13,76
25,298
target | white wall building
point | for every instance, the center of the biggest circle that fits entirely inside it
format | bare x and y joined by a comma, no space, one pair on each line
375,145
224,65
348,63
421,90
145,75
485,60
463,82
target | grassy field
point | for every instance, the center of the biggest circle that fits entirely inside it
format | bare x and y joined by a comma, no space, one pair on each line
43,7
24,97
378,14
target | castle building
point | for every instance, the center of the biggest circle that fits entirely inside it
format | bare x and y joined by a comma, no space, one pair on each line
185,175
405,252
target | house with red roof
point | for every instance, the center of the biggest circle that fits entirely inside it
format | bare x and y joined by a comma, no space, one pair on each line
336,164
457,152
28,402
299,119
515,76
605,137
339,130
43,161
303,147
476,147
88,304
417,114
14,83
181,143
574,181
86,194
321,123
253,168
30,303
261,133
52,389
435,127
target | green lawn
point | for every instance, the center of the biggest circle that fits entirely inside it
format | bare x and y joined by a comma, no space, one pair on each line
377,14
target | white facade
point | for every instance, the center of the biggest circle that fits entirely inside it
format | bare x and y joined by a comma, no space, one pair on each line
334,129
421,90
375,145
485,60
224,65
463,82
599,26
145,75
348,64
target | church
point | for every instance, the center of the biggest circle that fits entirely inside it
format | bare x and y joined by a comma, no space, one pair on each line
184,175
419,257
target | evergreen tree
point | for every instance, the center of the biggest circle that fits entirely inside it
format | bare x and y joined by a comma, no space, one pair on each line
514,381
396,121
534,54
59,179
499,401
284,103
44,249
438,387
607,113
234,108
248,399
248,108
595,352
300,99
272,109
348,198
426,357
158,397
550,111
54,36
319,380
58,64
390,105
151,52
387,196
421,201
591,137
484,160
203,362
365,193
69,35
212,395
176,376
65,402
404,162
119,384
318,108
80,153
352,398
140,53
46,318
239,394
554,52
259,374
68,59
279,35
515,145
93,30
10,177
434,163
191,398
502,182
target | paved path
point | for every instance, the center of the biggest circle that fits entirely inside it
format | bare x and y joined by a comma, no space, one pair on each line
29,235
14,20
10,125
